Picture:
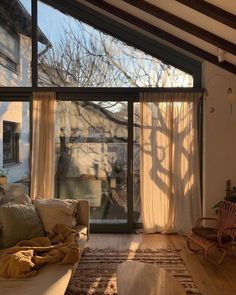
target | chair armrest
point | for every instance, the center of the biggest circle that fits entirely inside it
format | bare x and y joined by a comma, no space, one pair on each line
83,214
233,229
201,219
221,233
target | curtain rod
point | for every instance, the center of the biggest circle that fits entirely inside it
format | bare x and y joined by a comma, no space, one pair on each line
83,90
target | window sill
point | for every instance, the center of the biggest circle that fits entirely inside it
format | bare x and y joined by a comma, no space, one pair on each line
16,72
7,165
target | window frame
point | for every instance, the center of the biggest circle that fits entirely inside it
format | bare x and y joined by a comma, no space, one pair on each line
132,95
194,67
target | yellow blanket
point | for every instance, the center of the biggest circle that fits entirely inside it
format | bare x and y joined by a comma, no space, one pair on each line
24,259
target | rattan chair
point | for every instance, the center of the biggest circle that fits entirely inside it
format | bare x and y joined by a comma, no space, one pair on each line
222,235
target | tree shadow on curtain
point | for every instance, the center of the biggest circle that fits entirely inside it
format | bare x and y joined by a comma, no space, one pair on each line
172,172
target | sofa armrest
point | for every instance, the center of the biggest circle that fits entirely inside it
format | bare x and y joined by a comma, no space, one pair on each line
83,214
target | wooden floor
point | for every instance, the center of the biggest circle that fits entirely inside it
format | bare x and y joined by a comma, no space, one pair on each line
209,279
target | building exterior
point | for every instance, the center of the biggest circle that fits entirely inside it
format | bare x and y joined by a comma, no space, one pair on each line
15,70
15,144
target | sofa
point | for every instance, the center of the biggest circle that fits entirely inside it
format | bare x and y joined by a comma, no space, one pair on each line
52,279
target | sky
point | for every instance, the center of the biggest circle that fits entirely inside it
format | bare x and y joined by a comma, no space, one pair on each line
50,20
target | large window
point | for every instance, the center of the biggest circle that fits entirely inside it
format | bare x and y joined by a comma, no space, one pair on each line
10,142
82,56
72,53
97,130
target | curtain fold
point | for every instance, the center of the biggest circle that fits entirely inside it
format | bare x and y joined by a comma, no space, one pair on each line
170,183
43,145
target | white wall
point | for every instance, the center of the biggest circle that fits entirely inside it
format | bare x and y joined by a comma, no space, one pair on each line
17,112
23,78
219,135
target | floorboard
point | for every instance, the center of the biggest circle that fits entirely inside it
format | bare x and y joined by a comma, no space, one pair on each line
210,279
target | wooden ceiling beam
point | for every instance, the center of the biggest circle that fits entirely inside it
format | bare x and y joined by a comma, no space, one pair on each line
212,11
163,34
184,25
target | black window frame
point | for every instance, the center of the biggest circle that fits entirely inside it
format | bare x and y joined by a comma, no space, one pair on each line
14,126
125,34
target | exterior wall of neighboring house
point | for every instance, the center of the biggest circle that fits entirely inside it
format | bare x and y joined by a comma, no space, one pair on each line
23,76
219,135
17,112
95,158
90,153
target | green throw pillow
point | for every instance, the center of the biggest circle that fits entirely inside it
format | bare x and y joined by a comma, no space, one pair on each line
18,222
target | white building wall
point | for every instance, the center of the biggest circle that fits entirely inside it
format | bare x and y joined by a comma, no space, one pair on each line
17,112
92,158
95,158
23,78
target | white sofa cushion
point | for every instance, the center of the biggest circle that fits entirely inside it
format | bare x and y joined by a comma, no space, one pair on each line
51,280
56,211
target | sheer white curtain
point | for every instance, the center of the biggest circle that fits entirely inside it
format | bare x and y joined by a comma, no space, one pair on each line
43,145
170,185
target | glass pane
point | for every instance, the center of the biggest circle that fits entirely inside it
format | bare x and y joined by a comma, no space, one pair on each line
92,156
15,43
136,164
10,142
14,147
82,56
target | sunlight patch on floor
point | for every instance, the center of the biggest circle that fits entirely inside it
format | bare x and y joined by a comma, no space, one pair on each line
133,246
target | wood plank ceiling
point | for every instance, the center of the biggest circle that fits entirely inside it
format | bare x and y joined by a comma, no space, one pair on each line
202,29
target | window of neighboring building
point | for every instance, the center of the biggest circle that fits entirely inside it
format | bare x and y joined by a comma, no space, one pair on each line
96,132
10,142
9,47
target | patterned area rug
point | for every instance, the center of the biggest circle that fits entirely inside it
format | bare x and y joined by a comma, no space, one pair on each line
96,272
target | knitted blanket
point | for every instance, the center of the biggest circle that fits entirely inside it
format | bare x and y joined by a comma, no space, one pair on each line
24,259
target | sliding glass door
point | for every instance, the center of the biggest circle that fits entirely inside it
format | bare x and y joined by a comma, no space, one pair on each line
92,157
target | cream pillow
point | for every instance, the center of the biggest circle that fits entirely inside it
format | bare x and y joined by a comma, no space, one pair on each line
18,199
56,211
14,192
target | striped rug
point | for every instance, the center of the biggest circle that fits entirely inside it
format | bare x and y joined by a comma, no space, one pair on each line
96,272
